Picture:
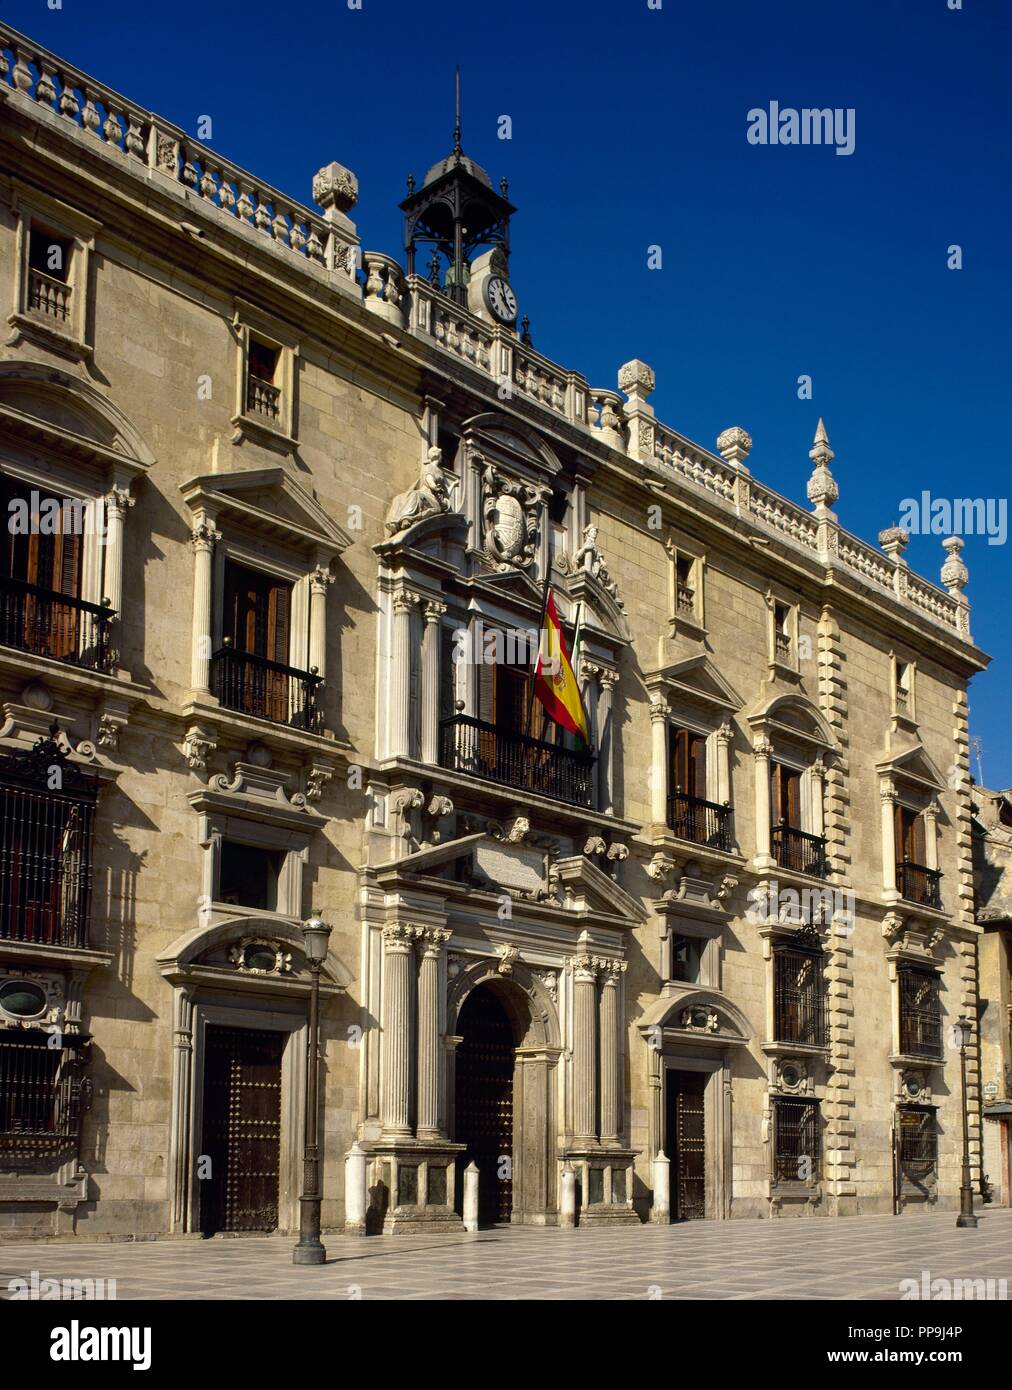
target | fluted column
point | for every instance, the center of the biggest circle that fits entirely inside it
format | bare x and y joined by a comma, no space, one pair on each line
606,745
589,692
659,761
203,539
429,1040
887,796
584,1049
430,683
611,973
722,739
396,1059
931,834
399,692
818,780
319,580
117,502
179,1130
762,751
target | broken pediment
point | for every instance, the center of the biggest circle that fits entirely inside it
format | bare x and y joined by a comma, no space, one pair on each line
698,1013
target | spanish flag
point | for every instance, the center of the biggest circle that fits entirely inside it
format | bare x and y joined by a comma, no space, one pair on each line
554,679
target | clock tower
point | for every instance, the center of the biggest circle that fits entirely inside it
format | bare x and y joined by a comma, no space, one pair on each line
466,222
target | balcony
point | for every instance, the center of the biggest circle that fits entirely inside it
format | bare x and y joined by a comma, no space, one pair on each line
919,884
60,626
49,297
514,760
267,689
263,400
701,822
797,850
45,848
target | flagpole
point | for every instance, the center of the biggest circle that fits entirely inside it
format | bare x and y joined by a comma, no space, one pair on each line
541,628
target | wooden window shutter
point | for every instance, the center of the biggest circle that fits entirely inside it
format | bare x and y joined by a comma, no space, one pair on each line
679,741
793,798
447,673
697,766
486,692
278,621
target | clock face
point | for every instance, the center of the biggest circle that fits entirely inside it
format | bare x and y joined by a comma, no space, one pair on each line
500,299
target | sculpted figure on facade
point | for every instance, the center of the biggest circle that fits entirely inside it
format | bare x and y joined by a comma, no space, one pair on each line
428,496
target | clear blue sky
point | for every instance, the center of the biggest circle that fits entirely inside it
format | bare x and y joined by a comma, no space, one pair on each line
628,130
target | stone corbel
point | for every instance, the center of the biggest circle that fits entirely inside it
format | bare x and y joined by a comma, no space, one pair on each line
438,808
318,775
660,868
508,956
404,804
198,745
511,832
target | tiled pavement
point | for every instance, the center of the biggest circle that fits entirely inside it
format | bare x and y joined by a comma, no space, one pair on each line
862,1257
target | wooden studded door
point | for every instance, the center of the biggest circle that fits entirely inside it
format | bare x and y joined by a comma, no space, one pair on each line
242,1129
484,1102
686,1140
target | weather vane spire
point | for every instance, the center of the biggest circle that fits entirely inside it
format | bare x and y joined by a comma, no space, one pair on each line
457,150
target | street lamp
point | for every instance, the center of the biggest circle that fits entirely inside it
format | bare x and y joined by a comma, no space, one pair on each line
963,1032
309,1249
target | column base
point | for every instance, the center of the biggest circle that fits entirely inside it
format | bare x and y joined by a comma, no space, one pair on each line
413,1187
604,1181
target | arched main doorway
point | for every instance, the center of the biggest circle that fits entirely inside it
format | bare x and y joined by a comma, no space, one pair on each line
486,1060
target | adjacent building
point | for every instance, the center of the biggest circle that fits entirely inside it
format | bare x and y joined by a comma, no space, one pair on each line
281,517
992,850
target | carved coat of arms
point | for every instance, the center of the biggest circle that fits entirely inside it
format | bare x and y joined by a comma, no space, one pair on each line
511,513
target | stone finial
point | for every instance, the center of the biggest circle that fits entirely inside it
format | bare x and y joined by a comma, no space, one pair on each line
954,573
822,489
636,379
734,444
894,540
335,187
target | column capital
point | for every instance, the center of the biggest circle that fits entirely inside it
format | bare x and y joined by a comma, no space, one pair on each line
319,577
204,537
887,789
433,610
724,733
762,749
659,709
433,939
119,499
610,970
404,601
585,968
399,936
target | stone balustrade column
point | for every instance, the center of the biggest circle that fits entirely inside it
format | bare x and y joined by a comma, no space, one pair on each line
659,761
399,691
584,1049
319,580
762,751
396,1059
430,1050
203,539
430,682
887,796
611,973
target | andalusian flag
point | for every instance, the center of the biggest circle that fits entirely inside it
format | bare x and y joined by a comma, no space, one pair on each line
554,679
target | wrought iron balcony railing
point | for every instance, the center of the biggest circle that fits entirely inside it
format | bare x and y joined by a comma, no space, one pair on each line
267,689
702,822
514,760
798,850
45,847
919,884
46,623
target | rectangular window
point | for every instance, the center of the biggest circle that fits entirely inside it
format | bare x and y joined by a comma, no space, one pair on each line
785,788
797,1140
686,953
49,288
685,587
782,645
263,390
688,762
917,1142
39,1092
251,670
49,253
904,683
920,1013
249,876
799,997
914,880
40,606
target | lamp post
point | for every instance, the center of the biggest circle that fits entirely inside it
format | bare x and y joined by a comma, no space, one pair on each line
310,1250
963,1034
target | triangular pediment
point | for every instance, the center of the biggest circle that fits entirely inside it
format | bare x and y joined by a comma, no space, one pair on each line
911,762
697,679
270,500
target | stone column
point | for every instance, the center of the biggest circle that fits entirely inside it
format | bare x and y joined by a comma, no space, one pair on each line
589,692
887,796
116,504
396,1060
762,751
606,751
584,1050
931,834
179,1127
611,973
319,579
818,783
203,539
722,740
659,761
399,691
429,1041
430,683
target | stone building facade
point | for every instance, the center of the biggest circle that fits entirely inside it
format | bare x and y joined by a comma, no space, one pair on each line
992,860
271,658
